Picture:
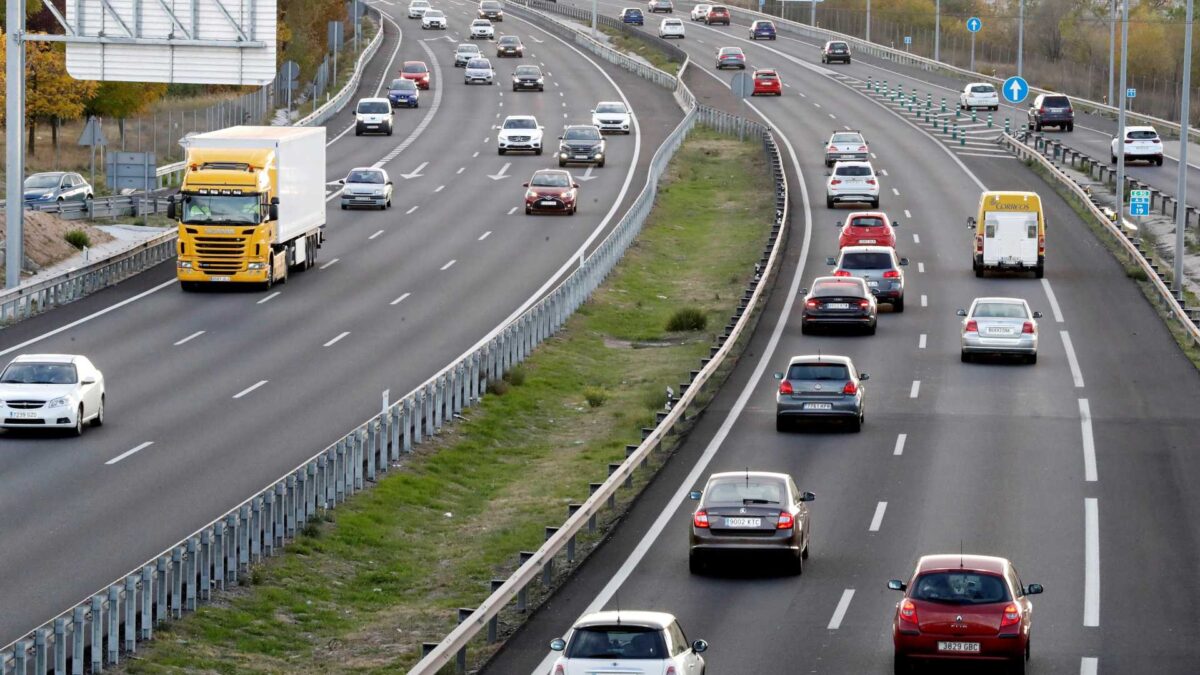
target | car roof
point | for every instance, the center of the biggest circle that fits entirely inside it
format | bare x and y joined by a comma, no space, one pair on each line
868,214
868,249
819,358
600,103
1015,301
580,126
954,561
520,117
753,474
435,9
365,168
415,63
46,358
53,173
858,162
482,21
552,171
630,617
509,37
765,71
1147,128
374,100
833,281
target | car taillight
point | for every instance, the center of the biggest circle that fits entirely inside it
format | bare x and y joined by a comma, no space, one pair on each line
1041,245
786,522
835,181
1155,140
850,389
1012,616
1027,328
812,303
863,304
891,274
558,670
841,273
979,244
972,327
908,611
870,181
1042,110
785,387
700,519
833,148
671,671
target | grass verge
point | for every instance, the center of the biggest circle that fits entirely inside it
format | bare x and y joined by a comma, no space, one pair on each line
386,571
631,45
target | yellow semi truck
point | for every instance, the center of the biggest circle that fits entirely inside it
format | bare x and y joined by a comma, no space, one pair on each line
252,205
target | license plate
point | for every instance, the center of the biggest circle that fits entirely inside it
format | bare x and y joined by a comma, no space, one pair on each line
837,305
23,415
866,241
218,278
872,284
546,202
1000,331
818,406
743,522
958,646
581,156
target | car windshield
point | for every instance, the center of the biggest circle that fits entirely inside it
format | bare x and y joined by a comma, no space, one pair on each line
468,49
582,134
610,108
375,177
550,180
867,221
1000,310
520,123
633,12
855,287
415,68
418,3
39,373
817,371
374,107
853,170
1056,102
490,6
866,261
528,71
719,10
221,209
847,138
960,587
731,51
434,14
672,22
508,40
1144,135
40,181
745,490
762,24
407,85
479,64
481,23
616,642
983,89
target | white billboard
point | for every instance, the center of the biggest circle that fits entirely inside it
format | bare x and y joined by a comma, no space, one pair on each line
187,41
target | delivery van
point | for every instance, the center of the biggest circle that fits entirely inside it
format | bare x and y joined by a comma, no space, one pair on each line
1010,233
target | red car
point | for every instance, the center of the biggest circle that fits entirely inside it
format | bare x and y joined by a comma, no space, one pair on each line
717,14
963,607
551,190
867,228
416,71
767,82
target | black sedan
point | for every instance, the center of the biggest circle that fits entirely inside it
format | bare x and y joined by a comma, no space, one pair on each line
750,512
839,301
528,77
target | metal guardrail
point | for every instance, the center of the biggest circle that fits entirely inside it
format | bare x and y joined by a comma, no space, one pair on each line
1132,245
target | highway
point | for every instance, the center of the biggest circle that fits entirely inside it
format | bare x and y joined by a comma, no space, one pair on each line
1080,469
212,396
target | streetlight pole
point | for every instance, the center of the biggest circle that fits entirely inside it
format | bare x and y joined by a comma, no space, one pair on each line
14,46
868,38
937,31
594,3
1121,114
812,17
1112,51
1020,38
1185,127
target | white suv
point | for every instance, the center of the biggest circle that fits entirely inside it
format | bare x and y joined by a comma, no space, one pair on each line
979,95
612,116
628,642
416,8
700,12
670,28
1141,143
433,18
519,133
852,182
482,29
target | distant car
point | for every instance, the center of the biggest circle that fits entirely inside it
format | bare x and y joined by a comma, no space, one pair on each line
633,16
660,6
852,182
717,14
750,512
867,228
464,53
482,29
491,10
628,641
51,391
373,114
731,57
762,29
509,45
820,387
612,116
839,302
416,8
670,28
699,12
879,266
433,19
416,71
963,607
979,95
1051,110
1141,143
767,83
519,133
1004,326
479,70
53,187
846,146
551,191
581,144
835,50
402,92
528,77
366,186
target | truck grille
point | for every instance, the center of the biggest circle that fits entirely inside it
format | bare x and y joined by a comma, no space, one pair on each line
26,405
220,255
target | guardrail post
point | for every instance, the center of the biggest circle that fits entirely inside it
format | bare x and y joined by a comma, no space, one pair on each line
493,628
147,620
406,423
175,569
548,568
39,650
592,489
21,657
163,576
244,530
190,565
523,594
370,452
78,638
131,597
97,634
572,509
219,545
357,459
629,450
60,646
257,526
460,659
1007,129
113,650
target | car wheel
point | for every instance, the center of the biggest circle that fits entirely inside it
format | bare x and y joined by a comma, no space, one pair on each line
98,421
1157,160
574,209
964,357
901,665
856,425
389,131
500,151
344,207
872,328
898,305
600,165
1039,272
1031,359
796,565
528,210
514,87
875,203
357,132
829,202
187,286
78,430
804,553
781,424
1017,666
1037,126
538,152
1070,127
561,163
696,564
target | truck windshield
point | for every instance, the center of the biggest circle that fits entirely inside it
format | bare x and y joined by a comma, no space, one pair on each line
216,209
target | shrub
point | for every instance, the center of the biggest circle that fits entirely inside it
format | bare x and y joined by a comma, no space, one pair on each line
497,387
687,318
595,396
1135,272
515,376
78,238
655,398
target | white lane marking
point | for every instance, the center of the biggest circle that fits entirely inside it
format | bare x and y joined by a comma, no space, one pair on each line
477,152
448,265
832,117
907,214
924,300
873,156
375,235
916,238
1088,665
269,298
1076,373
900,440
336,339
129,452
921,342
1053,300
485,235
331,263
249,389
415,173
461,169
410,211
895,192
921,268
916,389
1089,441
802,94
817,105
189,338
883,172
399,299
513,210
1091,564
840,612
877,519
439,188
846,127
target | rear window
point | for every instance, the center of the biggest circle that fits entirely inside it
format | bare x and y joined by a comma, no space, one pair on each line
999,310
853,170
508,40
838,46
1056,102
840,288
745,490
818,371
765,76
490,6
1142,135
866,261
415,68
479,64
847,138
528,71
617,642
960,587
867,221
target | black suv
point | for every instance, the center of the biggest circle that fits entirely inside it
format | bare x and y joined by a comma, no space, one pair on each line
835,51
528,77
581,144
1051,110
491,10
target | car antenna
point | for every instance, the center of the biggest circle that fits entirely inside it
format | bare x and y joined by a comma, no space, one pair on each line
617,597
960,560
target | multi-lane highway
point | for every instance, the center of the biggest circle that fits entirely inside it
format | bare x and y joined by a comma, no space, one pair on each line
1080,469
211,396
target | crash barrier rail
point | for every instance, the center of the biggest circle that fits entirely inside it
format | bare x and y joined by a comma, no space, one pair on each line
23,302
1129,240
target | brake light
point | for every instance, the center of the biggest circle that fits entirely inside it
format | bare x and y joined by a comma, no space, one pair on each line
1028,328
1041,245
908,611
1012,616
812,303
863,304
841,273
785,387
671,671
1154,140
891,274
835,181
558,670
786,522
700,519
1042,110
833,148
979,244
1128,140
972,327
870,181
850,389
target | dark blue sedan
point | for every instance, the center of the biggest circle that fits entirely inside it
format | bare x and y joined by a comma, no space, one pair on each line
403,92
762,29
633,16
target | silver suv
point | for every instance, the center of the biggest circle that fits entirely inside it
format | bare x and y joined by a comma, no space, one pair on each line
879,266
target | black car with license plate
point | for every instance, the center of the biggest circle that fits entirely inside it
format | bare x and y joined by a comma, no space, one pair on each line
750,512
581,144
491,10
839,301
528,77
1051,110
509,45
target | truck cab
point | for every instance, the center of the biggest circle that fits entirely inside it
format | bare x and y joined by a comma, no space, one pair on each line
1010,233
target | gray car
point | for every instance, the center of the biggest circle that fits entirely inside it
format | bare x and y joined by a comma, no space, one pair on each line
1004,326
839,301
53,187
879,266
366,186
750,512
464,53
820,387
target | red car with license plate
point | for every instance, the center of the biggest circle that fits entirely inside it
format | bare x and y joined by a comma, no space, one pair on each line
963,608
717,14
767,82
416,71
551,191
867,228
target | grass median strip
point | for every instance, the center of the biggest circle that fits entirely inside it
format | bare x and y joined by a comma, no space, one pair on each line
386,571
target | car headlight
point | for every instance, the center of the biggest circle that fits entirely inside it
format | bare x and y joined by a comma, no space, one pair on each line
599,155
530,194
541,80
60,402
45,195
378,192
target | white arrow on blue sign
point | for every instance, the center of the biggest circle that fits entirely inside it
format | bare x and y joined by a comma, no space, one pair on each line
1015,89
974,24
1131,93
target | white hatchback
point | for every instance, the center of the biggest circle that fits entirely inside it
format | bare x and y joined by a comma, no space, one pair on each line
433,19
416,8
979,95
628,642
1141,143
479,70
51,391
852,182
699,12
482,29
670,28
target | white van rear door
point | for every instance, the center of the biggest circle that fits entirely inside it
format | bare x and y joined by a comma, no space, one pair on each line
1010,239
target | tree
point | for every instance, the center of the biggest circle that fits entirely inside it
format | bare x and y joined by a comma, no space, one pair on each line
32,7
124,99
50,93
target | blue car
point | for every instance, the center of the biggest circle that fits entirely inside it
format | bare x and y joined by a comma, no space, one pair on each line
403,92
633,16
762,29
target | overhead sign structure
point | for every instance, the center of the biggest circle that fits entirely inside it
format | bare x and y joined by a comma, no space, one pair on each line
974,24
1139,202
1015,89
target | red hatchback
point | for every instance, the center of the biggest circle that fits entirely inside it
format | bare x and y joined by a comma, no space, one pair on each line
767,82
551,190
963,607
867,228
416,71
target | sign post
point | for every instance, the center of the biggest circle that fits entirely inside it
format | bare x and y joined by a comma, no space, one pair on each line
93,137
973,25
14,47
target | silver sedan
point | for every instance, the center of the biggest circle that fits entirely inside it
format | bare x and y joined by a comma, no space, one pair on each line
1004,326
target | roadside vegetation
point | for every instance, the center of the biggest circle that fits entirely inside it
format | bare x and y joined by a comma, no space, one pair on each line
631,45
360,591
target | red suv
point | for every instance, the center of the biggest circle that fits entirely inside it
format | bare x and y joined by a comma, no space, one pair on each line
963,607
717,14
867,228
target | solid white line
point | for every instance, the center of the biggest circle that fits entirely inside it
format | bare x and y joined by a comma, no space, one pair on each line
840,612
907,214
1053,300
1088,665
1091,562
399,299
127,453
916,389
921,267
410,211
916,238
924,300
513,210
330,263
1089,441
980,154
375,235
335,340
1076,373
249,389
485,235
900,440
877,519
189,338
921,342
448,265
268,298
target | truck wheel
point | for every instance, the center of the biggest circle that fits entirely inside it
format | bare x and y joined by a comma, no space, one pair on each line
187,286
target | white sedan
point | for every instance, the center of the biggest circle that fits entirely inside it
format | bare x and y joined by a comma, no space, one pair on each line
670,28
482,29
433,18
1002,326
699,12
979,95
51,391
627,641
416,8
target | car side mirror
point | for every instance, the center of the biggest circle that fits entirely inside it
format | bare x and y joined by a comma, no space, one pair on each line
961,312
560,137
558,644
171,208
895,223
273,210
803,291
1033,589
897,585
903,261
1037,315
863,377
839,224
694,495
778,376
525,184
828,173
830,261
807,497
390,183
88,380
700,646
341,181
575,185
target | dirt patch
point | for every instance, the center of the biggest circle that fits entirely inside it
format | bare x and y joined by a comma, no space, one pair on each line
45,237
614,343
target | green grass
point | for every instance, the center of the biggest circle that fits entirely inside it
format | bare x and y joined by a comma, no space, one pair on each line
360,592
631,45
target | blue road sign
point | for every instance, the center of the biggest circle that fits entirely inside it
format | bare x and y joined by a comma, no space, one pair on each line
1139,208
974,24
1131,93
908,39
1015,89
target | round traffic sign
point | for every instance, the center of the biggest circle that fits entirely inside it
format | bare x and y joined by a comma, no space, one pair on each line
974,24
1015,89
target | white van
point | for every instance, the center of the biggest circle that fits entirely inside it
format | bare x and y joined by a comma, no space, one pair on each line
1010,233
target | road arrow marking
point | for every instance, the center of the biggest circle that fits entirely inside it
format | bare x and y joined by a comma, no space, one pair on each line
502,174
416,173
587,175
